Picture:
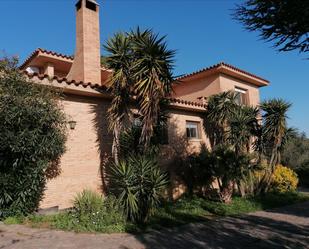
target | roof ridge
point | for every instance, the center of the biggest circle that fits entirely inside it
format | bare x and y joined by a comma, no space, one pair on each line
215,66
55,53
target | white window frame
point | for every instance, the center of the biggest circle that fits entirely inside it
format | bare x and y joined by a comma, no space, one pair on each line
193,125
243,95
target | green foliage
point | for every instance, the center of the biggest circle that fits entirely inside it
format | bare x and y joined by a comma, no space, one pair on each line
219,111
142,67
222,164
32,138
243,125
195,171
169,214
283,22
129,142
88,202
14,220
296,156
138,183
238,205
228,167
284,179
92,212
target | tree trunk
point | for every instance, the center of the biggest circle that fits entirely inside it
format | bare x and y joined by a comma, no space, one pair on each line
115,146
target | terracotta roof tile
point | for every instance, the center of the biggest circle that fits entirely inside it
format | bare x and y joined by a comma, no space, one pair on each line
38,50
186,102
217,66
66,81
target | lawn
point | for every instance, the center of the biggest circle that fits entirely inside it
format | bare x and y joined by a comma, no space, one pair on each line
170,214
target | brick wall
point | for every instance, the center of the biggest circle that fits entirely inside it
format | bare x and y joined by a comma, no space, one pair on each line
86,145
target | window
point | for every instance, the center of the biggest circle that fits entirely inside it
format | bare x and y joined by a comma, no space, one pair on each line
241,96
192,129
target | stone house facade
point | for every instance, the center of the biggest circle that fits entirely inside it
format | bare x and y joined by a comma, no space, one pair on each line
82,80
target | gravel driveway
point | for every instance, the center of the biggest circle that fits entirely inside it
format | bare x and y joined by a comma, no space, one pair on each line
280,228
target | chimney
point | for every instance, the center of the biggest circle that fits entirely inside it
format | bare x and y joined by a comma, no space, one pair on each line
86,66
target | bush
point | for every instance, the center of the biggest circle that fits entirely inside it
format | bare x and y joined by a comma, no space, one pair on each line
284,179
32,138
88,202
92,213
195,172
138,184
222,164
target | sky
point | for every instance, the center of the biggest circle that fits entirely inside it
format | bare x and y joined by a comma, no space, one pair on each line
201,31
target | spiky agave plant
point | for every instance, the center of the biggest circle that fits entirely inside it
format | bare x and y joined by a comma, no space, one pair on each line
138,183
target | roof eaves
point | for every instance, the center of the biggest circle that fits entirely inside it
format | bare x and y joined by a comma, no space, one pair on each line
44,51
217,66
187,102
66,81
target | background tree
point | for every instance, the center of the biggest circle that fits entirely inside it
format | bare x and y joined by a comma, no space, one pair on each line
32,138
284,22
296,156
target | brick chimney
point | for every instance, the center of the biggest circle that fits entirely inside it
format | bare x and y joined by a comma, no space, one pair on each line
87,59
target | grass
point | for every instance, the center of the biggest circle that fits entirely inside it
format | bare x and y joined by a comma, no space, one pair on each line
170,214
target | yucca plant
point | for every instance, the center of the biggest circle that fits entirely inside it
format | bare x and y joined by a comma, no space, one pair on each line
142,73
220,108
274,135
152,66
138,184
242,127
120,84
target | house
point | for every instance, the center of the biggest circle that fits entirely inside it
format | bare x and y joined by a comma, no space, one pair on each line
82,80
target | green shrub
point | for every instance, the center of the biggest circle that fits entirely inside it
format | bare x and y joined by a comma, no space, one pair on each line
32,138
88,201
138,183
195,171
284,179
93,213
222,164
12,220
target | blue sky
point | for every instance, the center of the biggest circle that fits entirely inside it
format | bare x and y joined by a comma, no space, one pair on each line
202,32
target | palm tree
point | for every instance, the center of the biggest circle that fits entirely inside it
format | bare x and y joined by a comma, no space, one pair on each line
142,73
274,135
220,108
243,126
120,85
152,66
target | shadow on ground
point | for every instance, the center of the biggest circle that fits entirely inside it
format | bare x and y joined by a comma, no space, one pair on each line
280,228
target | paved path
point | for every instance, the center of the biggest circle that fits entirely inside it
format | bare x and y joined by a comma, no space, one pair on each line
282,228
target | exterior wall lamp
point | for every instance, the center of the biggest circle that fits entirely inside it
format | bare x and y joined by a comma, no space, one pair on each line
72,124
